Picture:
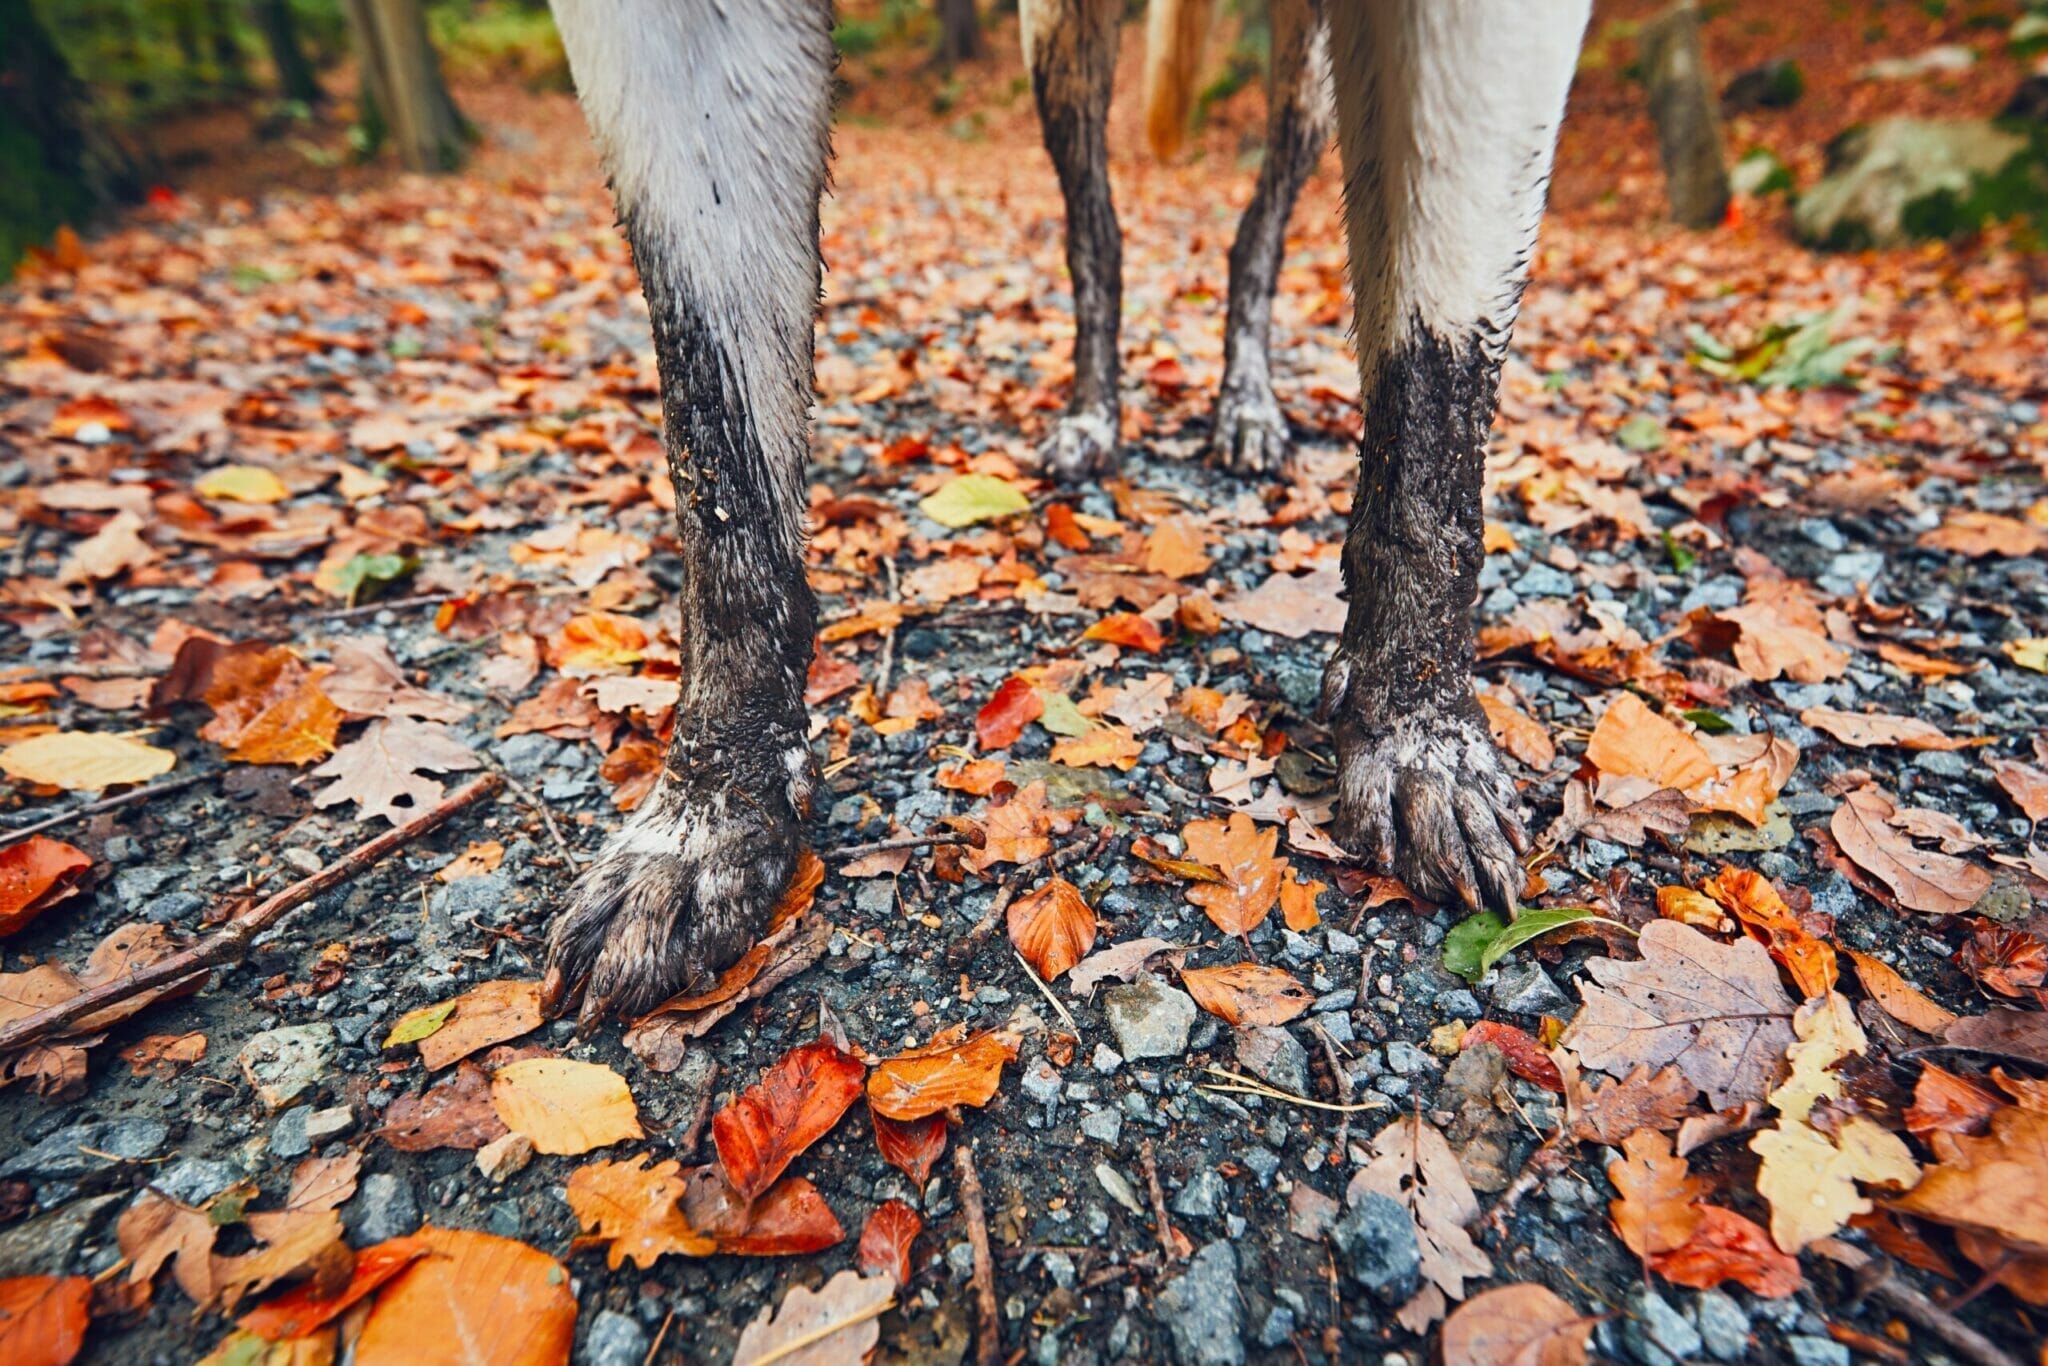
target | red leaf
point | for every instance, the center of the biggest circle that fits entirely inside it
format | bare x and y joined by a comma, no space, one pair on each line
912,1146
1128,629
300,1310
885,1242
1728,1247
1061,526
791,1219
34,876
1003,718
43,1318
1526,1057
796,1102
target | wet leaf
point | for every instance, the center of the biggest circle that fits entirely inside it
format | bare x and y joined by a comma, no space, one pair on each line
1753,900
634,1210
43,1319
1244,854
790,1220
796,1103
35,875
1728,1247
501,1300
1921,879
1656,1211
912,1146
886,1240
952,1069
1248,993
303,1309
1516,1325
1052,926
565,1107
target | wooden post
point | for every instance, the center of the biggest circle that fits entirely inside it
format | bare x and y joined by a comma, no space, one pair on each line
1688,126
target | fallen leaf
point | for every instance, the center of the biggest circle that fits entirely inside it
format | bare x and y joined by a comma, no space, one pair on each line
35,875
1052,926
292,1244
1101,747
242,484
1002,718
486,1014
1523,736
1864,730
367,681
1525,1056
2025,784
969,498
1174,547
1977,534
155,1230
1899,998
912,1146
792,1219
268,708
1714,1009
1921,879
1130,630
1728,1247
1018,831
596,643
303,1310
796,1102
1753,900
886,1240
475,1298
1244,854
383,770
163,1054
1122,961
482,856
1995,1184
1248,993
565,1107
1516,1325
1948,1104
108,553
1656,1211
1631,741
43,1319
953,1069
1414,1167
1641,1100
831,1326
1293,605
323,1182
634,1210
84,761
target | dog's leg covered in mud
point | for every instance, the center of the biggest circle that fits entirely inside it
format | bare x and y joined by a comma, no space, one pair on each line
713,123
1251,433
1447,115
1070,50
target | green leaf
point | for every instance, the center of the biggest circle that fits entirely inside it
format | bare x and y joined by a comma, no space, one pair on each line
1061,716
1712,722
1466,945
363,577
974,498
1682,557
415,1025
1641,433
1534,925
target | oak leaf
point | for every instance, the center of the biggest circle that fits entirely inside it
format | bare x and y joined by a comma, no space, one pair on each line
1641,1100
796,1102
367,681
1656,1211
1019,831
634,1210
952,1069
384,770
1248,993
1244,854
1052,926
1810,1178
1921,879
1995,1184
1101,747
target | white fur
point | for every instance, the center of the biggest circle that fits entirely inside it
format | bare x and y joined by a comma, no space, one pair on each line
1447,116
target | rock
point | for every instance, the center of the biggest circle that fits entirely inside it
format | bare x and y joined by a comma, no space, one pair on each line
1199,1309
79,1149
525,756
384,1207
1310,1212
1773,85
1377,1240
1526,989
504,1156
1404,1059
1041,1082
1274,1056
1118,1186
333,1122
45,1245
172,907
1263,1163
1724,1328
194,1180
1655,1333
1104,1126
1900,178
1149,1019
284,1064
1106,1059
133,886
288,1138
1278,1328
615,1340
1683,108
1809,1350
1202,1196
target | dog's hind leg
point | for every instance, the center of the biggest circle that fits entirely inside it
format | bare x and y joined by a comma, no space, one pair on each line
1070,49
1447,114
1250,434
713,123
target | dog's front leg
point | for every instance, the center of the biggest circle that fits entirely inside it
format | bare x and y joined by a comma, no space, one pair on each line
712,120
1447,114
1070,48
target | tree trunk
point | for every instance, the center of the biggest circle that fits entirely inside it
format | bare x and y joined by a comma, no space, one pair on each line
57,162
230,63
960,38
404,96
1682,105
295,79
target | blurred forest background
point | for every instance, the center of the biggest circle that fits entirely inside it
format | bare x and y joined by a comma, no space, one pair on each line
104,102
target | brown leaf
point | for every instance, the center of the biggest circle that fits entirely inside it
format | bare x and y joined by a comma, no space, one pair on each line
2025,784
634,1210
952,1069
1516,1325
1921,879
35,875
1174,547
504,1302
1123,961
2017,1034
43,1319
1714,1009
384,769
164,1054
792,1219
796,1102
913,1147
1899,998
303,1310
1948,1104
268,708
1248,993
1995,1184
295,1244
886,1240
1863,730
155,1230
1413,1166
1655,1212
1293,605
833,1324
1631,741
1019,831
320,1183
367,681
455,1112
1521,735
486,1014
1969,532
1641,1100
1052,926
1244,854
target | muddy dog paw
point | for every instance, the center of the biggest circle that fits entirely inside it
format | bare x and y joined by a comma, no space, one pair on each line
1082,444
675,897
1425,796
1250,435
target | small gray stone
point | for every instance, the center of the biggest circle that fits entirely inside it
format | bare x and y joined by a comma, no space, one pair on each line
133,886
1655,1333
1149,1019
194,1180
1104,1126
1199,1309
1724,1328
289,1139
615,1340
45,1245
1202,1196
332,1122
172,907
1526,989
524,756
80,1149
1377,1238
284,1064
1275,1056
1106,1059
1041,1082
1263,1163
1278,1328
1816,1351
384,1207
1296,949
1406,1060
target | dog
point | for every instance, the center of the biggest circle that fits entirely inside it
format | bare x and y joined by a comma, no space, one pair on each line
712,118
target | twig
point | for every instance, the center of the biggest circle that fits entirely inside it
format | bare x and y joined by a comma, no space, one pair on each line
547,817
963,948
95,672
648,1360
1066,1016
1876,1278
232,940
1251,1086
370,609
1170,1240
990,1348
888,637
1342,1080
1553,1157
140,794
932,838
686,1146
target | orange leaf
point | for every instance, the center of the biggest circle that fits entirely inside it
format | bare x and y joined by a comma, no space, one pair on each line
976,777
1298,905
1243,853
796,1102
1248,993
268,708
1656,1212
1948,1104
1019,831
43,1319
1101,747
1174,548
912,1146
1003,717
1899,998
797,899
950,1070
1753,900
635,1210
789,1220
1631,741
886,1240
1128,629
1064,530
478,1298
301,1309
34,876
597,643
1053,927
632,769
1519,733
1728,1247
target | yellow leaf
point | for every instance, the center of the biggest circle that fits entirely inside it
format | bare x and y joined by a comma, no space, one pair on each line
1104,746
84,761
1828,1033
974,498
2031,653
565,1107
1811,1179
242,484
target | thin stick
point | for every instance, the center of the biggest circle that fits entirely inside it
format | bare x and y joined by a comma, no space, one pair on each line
1887,1286
931,838
232,940
1170,1241
1251,1086
963,948
140,794
686,1147
648,1360
888,637
1065,1015
990,1348
547,817
1342,1080
94,672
